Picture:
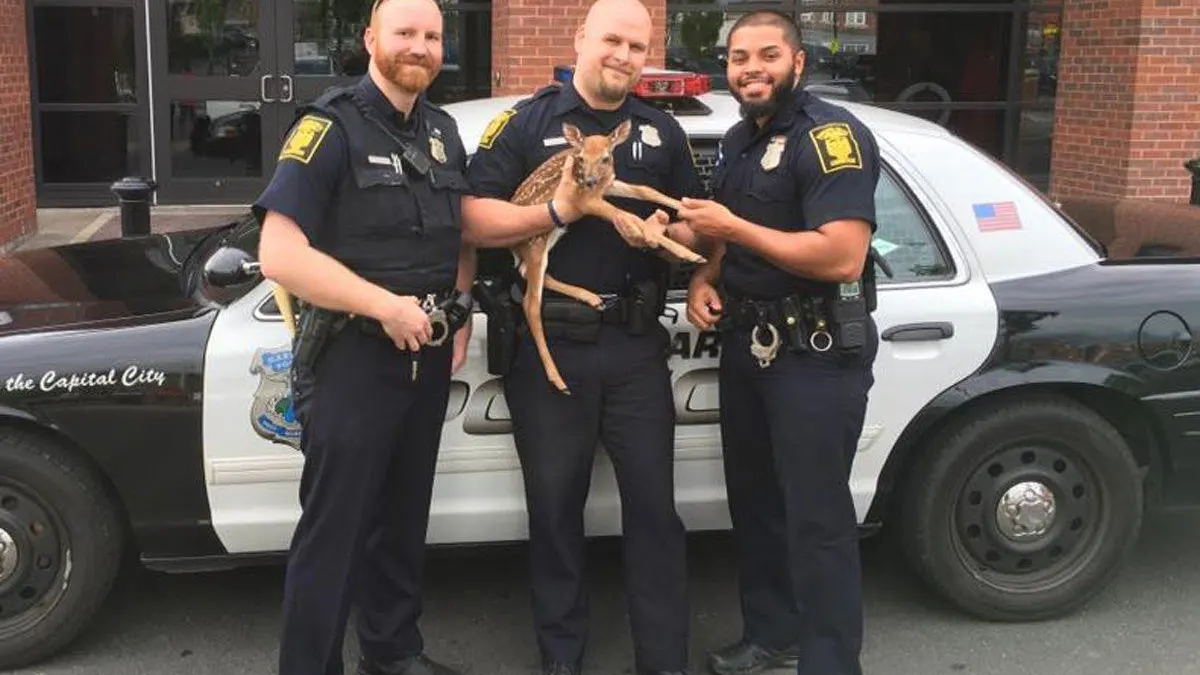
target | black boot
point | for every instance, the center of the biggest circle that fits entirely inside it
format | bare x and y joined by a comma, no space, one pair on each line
744,658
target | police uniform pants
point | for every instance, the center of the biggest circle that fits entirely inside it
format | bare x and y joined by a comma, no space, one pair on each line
370,439
620,396
790,432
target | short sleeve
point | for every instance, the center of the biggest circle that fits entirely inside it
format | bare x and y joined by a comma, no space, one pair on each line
839,169
306,174
498,167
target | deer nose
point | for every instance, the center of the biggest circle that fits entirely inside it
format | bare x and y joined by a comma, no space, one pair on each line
590,182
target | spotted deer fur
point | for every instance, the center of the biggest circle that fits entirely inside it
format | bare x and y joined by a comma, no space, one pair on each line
593,174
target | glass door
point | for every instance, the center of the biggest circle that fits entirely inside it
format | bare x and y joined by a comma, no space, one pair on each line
320,45
89,95
216,75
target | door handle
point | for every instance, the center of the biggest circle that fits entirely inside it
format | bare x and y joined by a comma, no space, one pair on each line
262,89
919,332
287,89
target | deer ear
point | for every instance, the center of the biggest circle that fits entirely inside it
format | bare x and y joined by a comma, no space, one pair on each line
621,133
573,135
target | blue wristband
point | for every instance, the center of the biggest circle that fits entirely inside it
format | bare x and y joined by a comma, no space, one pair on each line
554,215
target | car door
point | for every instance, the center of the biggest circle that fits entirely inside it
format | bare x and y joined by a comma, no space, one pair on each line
936,316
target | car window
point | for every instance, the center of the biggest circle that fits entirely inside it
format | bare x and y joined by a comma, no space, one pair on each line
905,238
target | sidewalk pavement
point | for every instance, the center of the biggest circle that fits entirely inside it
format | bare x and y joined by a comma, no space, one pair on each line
74,225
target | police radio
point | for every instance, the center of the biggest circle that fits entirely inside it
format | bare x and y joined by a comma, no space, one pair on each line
848,316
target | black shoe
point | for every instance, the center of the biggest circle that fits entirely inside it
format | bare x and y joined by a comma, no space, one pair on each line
744,658
559,668
413,665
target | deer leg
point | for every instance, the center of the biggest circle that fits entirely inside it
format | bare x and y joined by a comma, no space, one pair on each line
642,192
536,259
581,294
610,212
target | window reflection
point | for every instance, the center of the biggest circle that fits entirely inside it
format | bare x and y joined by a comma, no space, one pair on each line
99,66
88,146
212,37
211,139
328,37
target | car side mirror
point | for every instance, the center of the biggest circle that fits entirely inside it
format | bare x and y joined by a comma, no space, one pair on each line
229,266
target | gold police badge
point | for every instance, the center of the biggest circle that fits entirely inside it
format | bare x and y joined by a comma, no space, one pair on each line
305,138
437,149
836,146
650,135
773,153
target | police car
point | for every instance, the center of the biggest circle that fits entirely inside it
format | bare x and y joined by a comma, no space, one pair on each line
1032,397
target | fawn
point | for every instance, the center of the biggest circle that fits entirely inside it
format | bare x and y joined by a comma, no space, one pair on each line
593,173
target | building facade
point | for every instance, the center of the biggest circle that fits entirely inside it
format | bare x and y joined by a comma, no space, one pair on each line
1081,97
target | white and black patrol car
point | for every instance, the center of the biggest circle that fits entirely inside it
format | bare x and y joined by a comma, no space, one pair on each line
1032,397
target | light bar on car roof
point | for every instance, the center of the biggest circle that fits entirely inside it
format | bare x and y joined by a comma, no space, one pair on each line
657,83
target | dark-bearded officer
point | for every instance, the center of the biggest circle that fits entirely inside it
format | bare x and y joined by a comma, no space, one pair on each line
362,218
793,217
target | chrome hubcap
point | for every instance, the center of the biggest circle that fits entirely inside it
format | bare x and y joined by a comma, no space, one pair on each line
1026,511
9,556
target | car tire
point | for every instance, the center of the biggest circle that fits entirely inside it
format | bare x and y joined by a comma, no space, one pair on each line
1015,560
60,519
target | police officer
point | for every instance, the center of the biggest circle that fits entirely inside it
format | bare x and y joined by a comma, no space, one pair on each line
792,286
614,362
361,222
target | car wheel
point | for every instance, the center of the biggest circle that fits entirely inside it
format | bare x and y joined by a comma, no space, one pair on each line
60,547
1023,511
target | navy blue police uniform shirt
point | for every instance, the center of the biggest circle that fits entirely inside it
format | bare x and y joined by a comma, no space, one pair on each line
656,153
813,163
316,154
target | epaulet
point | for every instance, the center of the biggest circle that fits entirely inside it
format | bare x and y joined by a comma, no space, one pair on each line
546,91
438,110
333,94
821,112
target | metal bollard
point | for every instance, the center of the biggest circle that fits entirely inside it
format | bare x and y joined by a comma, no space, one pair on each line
133,193
1194,167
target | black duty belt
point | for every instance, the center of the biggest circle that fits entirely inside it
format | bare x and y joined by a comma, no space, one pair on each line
797,321
448,310
614,311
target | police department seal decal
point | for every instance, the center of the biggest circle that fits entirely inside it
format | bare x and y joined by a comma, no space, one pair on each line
272,414
836,147
305,138
495,127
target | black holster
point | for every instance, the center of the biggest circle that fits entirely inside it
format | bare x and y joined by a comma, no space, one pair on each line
493,297
315,327
647,302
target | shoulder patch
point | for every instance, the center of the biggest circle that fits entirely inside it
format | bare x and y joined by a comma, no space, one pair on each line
836,146
306,137
495,127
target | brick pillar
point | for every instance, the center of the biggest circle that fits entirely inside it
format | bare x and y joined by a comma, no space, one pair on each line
1127,116
18,203
530,37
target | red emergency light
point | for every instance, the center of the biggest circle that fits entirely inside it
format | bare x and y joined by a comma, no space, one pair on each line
657,83
671,84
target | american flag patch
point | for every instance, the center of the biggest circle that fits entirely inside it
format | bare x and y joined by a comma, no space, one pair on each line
997,216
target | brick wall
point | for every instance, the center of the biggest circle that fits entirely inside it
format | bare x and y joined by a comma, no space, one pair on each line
523,57
18,202
1126,116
